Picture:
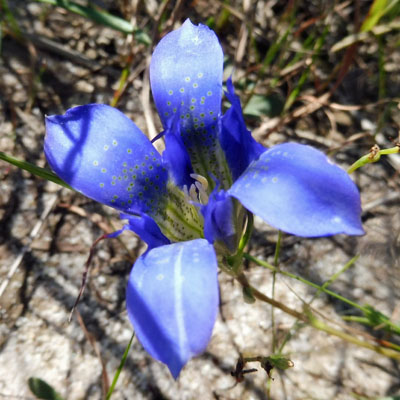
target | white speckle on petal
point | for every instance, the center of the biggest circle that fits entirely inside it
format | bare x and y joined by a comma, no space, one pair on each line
160,277
196,40
274,179
163,261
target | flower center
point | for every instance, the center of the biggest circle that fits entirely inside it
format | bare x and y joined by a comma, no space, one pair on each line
180,219
198,191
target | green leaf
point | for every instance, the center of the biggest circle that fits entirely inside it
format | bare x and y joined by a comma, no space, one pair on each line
121,365
42,390
142,37
34,169
259,105
378,9
95,14
376,318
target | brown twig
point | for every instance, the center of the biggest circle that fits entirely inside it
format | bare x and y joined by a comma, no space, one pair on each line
105,381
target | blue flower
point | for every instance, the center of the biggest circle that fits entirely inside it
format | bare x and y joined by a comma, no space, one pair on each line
190,204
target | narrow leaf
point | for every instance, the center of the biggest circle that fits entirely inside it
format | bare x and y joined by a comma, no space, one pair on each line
378,9
95,14
34,169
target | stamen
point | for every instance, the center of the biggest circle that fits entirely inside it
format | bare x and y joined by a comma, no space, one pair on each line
203,196
203,181
193,193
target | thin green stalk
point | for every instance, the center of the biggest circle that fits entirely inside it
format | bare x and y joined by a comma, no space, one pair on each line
332,279
340,272
355,318
9,18
121,84
305,281
278,249
34,169
304,76
310,319
276,263
121,365
269,57
369,312
320,325
373,156
95,14
235,261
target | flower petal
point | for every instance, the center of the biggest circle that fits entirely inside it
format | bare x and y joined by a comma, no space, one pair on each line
103,154
172,301
239,146
186,76
297,189
186,80
176,157
219,217
145,227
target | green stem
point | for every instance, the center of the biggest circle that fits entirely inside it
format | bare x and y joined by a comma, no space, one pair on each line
310,319
121,365
95,14
235,261
307,282
246,237
34,169
320,325
373,156
276,262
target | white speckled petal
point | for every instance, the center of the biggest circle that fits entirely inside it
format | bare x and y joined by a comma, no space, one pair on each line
297,189
100,152
172,301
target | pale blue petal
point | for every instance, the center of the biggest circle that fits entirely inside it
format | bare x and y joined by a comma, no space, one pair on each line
186,76
239,146
145,227
186,80
176,157
297,189
100,152
219,217
172,301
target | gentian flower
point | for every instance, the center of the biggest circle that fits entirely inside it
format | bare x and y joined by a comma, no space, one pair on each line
190,204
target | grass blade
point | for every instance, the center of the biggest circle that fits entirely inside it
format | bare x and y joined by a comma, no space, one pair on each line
34,169
121,365
95,14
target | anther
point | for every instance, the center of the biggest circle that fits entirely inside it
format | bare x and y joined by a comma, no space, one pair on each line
203,181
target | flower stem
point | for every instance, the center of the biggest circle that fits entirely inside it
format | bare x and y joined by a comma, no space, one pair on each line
375,318
307,282
373,156
236,260
310,319
121,365
276,263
